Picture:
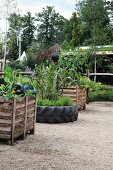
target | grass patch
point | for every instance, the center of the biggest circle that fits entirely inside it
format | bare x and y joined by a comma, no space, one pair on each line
61,101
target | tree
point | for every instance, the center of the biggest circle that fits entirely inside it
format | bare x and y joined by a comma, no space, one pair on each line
28,33
50,27
95,22
109,7
1,50
75,34
15,23
7,7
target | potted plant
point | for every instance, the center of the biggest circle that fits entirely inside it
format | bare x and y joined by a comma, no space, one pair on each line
52,106
75,62
17,107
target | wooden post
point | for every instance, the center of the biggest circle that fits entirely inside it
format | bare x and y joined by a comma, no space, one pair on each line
87,90
77,95
33,130
25,121
13,122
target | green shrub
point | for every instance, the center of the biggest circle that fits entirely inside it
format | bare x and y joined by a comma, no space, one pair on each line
64,101
9,80
61,101
101,95
16,65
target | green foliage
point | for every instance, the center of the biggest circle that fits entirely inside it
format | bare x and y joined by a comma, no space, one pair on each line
61,101
16,65
75,62
66,46
12,77
17,22
31,61
101,95
95,22
13,48
49,80
85,82
50,27
46,81
64,101
28,34
109,48
75,33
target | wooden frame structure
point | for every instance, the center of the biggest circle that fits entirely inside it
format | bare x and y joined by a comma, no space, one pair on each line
77,94
17,118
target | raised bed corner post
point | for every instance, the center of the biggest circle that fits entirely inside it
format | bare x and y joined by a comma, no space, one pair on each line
33,130
13,122
77,95
87,90
25,122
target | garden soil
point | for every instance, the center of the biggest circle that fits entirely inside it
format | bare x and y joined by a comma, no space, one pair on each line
86,144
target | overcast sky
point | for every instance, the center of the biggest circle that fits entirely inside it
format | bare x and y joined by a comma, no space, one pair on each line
64,7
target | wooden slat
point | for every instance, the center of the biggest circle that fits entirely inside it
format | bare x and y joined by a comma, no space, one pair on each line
29,126
5,121
101,74
18,134
20,106
70,87
8,106
5,114
19,120
6,129
5,136
20,100
31,110
20,112
30,115
69,95
69,91
31,102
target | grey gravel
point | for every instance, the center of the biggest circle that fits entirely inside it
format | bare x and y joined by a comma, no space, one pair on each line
86,144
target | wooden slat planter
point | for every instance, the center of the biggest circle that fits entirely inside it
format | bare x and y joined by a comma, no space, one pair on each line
17,118
77,94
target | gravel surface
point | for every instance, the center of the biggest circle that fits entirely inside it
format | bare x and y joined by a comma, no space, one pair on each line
83,145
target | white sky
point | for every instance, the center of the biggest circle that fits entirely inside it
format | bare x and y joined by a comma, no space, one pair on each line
64,7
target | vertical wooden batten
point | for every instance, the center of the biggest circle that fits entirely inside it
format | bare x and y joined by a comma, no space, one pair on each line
13,122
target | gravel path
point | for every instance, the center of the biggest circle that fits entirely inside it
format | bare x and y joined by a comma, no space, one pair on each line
83,145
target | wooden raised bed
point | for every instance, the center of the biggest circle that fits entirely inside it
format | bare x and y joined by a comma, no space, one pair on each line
17,118
77,94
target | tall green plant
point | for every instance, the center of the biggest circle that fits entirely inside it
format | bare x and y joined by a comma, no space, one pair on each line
75,62
49,80
46,80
